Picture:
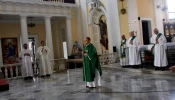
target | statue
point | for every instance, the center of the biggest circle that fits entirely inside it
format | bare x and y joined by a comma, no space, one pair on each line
103,28
103,33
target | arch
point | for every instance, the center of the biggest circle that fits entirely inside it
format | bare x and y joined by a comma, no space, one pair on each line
93,11
94,17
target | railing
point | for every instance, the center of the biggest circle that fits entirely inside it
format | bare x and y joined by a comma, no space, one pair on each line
109,58
51,0
11,71
61,1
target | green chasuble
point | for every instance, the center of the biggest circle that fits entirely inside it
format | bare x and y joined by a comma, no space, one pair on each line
91,63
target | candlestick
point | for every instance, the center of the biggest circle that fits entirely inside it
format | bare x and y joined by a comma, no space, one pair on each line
132,26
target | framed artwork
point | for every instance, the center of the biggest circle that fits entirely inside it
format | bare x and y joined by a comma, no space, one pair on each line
10,50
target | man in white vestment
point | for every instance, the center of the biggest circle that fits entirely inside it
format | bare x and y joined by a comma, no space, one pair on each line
44,61
26,55
160,58
123,52
134,56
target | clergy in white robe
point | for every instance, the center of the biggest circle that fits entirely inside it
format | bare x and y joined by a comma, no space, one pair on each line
26,56
123,52
43,60
134,56
160,58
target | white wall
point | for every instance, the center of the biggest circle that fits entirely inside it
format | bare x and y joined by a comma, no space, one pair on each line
133,15
158,15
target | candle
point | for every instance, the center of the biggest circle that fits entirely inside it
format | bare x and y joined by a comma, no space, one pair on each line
129,26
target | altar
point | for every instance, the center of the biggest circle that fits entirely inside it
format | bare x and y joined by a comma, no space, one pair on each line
147,57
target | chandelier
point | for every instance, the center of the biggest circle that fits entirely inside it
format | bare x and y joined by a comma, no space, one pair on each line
31,24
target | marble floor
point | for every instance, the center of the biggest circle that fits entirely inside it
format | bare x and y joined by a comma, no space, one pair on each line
116,85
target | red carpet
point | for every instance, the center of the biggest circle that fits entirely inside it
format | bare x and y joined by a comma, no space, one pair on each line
3,85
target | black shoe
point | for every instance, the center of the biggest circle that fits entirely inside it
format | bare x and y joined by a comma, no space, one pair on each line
48,75
25,78
156,68
163,68
30,77
42,76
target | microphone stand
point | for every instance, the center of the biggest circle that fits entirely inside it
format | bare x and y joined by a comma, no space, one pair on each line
87,90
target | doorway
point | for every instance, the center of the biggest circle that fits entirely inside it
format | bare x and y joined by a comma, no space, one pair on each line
146,31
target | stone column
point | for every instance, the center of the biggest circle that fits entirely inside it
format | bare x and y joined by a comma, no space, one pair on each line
49,41
24,31
113,23
79,28
69,35
83,7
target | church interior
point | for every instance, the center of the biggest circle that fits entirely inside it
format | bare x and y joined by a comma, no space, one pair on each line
128,46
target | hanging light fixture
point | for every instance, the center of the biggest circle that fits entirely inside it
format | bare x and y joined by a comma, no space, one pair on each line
31,25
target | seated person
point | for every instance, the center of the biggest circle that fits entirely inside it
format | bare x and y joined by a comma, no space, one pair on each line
75,50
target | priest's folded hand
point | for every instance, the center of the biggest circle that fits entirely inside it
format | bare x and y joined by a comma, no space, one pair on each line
131,42
85,54
26,54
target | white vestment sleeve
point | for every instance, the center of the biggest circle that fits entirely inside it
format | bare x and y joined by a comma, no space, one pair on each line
38,53
162,40
153,39
136,42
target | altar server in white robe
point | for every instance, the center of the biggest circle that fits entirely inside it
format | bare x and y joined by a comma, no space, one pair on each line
134,56
26,55
123,52
160,58
44,61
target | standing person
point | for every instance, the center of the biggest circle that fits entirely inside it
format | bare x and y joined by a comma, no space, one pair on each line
160,58
123,52
133,43
44,61
92,70
26,55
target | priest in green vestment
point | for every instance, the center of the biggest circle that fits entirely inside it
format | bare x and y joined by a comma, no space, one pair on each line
92,69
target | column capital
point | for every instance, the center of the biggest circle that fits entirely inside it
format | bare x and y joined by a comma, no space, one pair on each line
68,17
47,17
23,16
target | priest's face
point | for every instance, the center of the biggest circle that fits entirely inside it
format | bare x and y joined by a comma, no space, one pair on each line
25,46
156,31
42,43
131,34
86,41
123,37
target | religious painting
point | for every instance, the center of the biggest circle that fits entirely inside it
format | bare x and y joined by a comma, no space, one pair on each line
103,31
10,50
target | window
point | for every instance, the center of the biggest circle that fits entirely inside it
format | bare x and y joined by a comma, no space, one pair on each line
171,9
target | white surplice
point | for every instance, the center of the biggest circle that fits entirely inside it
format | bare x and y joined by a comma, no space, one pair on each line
97,80
160,58
124,61
26,63
44,61
134,56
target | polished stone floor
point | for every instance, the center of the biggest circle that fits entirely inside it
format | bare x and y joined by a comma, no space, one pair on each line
117,85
